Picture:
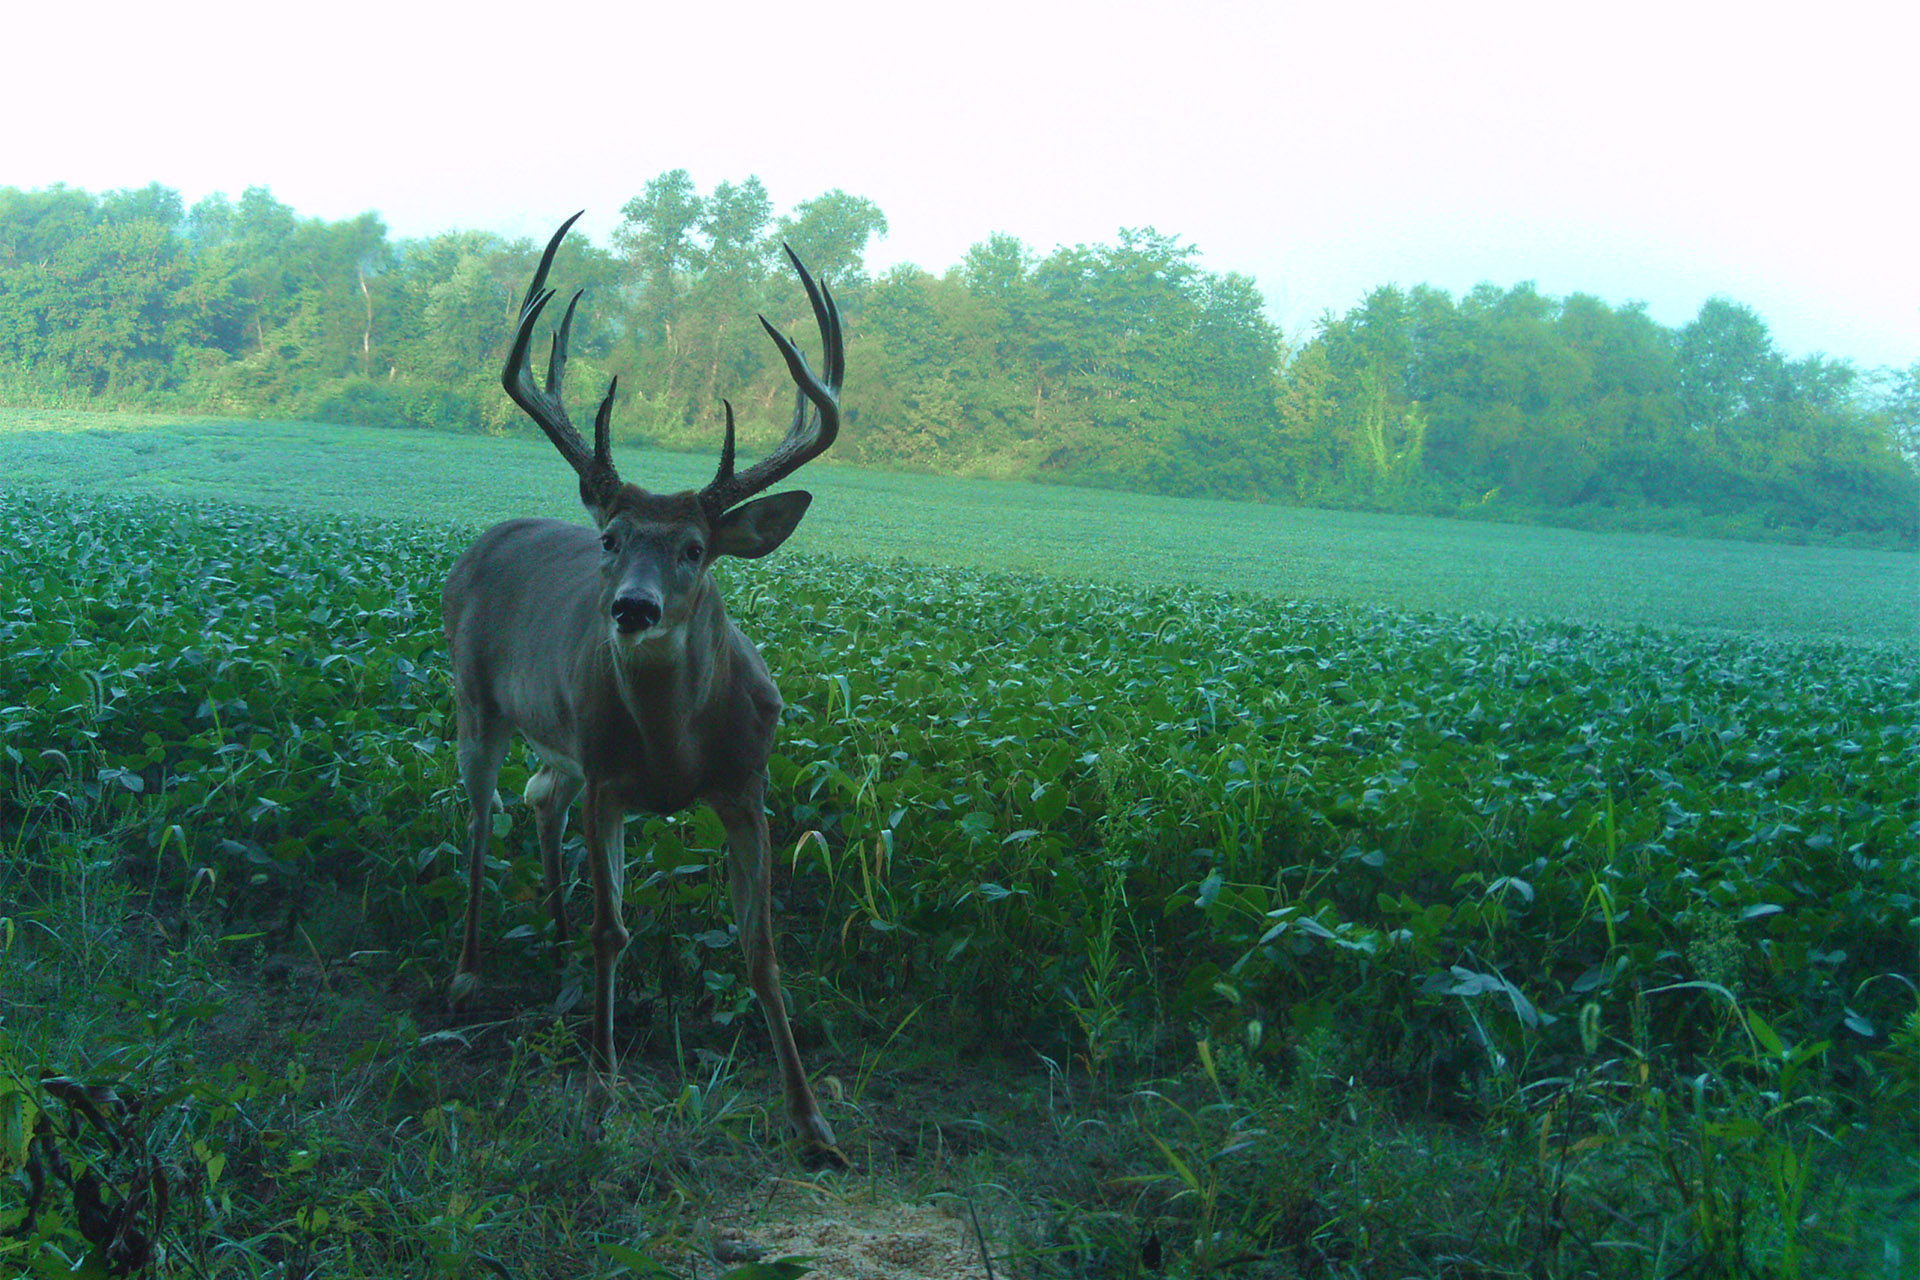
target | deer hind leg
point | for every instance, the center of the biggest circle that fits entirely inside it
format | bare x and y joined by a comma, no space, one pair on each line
750,878
551,792
482,748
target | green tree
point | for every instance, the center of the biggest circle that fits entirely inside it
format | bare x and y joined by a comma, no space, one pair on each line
107,305
938,393
1380,431
1631,406
656,235
831,233
1730,375
1895,398
999,270
734,221
462,290
719,335
1306,443
89,286
35,224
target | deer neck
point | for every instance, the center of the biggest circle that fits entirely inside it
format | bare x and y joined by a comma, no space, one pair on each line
669,682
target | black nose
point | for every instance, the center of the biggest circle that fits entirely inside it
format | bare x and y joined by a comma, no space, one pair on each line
635,613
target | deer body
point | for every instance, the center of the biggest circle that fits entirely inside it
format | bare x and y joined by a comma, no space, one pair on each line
661,722
610,650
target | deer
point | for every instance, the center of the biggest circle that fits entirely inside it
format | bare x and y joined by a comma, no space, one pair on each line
610,651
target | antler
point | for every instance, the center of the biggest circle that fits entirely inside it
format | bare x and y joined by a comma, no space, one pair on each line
804,440
598,479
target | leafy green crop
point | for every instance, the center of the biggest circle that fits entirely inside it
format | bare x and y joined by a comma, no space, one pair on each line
1452,856
1035,800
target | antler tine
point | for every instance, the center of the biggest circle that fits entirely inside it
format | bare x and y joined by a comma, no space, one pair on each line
603,430
725,472
804,440
828,317
546,407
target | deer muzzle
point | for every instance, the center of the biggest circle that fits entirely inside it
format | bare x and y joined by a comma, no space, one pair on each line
636,612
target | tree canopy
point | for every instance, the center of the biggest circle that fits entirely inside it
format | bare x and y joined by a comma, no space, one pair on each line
1126,364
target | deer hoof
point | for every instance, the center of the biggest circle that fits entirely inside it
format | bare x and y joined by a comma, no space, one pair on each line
827,1157
818,1147
462,989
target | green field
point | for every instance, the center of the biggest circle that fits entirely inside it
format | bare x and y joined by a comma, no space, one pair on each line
1443,566
1382,916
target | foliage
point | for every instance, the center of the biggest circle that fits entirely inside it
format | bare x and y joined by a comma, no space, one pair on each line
1511,400
1085,818
1125,365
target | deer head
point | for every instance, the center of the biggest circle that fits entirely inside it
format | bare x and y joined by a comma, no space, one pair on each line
657,547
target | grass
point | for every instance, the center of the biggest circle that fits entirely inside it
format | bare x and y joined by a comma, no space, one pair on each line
1172,931
1398,562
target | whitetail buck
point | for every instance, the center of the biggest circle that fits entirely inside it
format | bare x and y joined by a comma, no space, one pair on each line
610,650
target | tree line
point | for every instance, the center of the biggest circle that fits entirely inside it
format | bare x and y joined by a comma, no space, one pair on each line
1125,364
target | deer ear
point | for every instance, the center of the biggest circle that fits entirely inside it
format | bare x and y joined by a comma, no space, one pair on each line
752,530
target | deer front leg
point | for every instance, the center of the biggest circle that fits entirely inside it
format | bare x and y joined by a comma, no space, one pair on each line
551,791
603,825
750,879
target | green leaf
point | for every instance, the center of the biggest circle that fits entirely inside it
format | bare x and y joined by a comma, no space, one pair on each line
1765,1034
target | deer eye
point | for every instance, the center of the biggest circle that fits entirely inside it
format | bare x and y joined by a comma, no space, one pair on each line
694,553
609,543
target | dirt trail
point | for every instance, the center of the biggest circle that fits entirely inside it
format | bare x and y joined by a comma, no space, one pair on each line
869,1242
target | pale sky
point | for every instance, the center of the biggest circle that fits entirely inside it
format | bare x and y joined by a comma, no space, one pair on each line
1662,152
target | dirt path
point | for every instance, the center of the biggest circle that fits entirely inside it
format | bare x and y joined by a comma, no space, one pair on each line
863,1242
